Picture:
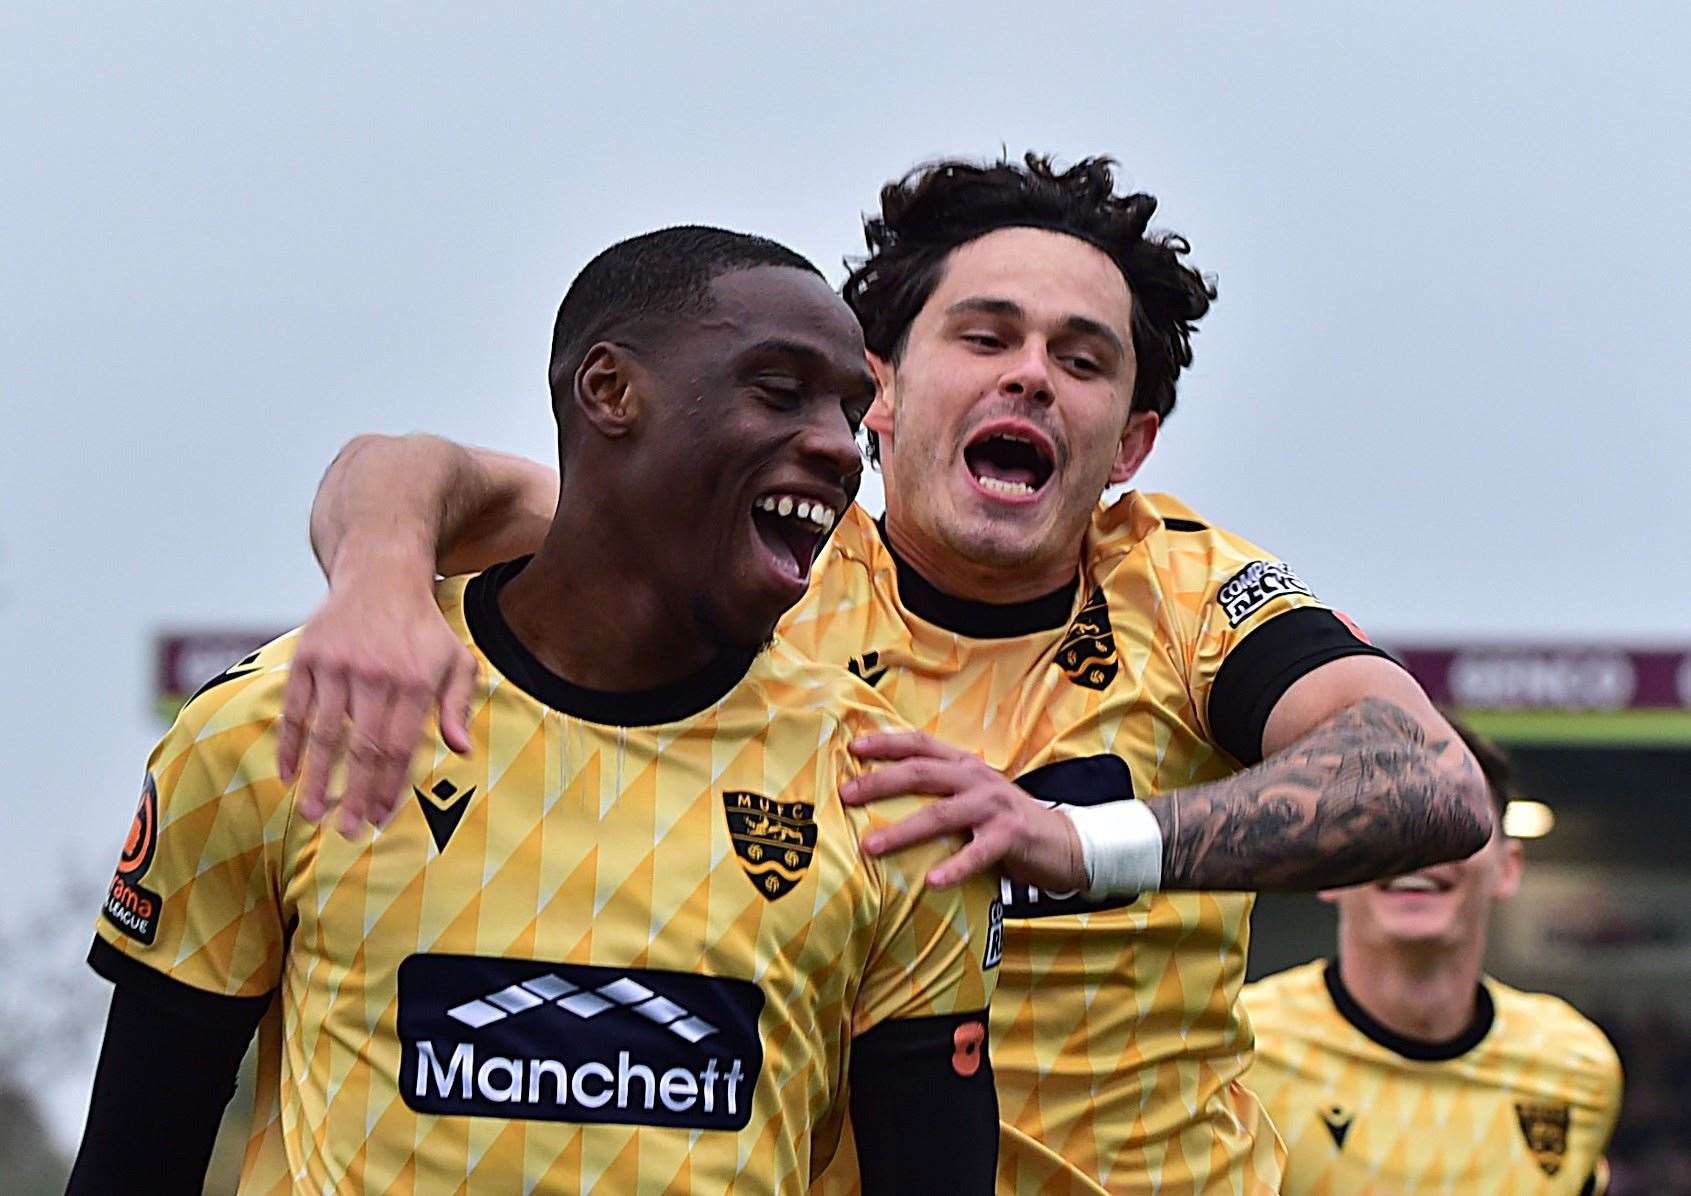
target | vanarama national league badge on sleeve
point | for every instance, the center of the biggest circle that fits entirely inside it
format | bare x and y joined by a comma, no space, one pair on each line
131,908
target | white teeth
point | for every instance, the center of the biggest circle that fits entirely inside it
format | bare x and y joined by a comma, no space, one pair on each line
999,486
819,516
1412,884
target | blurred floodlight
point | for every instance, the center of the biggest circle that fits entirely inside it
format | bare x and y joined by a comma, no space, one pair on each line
1527,819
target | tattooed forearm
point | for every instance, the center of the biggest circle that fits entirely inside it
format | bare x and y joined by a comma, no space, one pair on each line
1363,796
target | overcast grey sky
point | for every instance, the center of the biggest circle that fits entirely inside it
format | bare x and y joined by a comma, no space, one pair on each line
1446,378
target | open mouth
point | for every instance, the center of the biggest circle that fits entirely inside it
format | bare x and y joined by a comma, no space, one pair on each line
1415,883
1009,463
792,528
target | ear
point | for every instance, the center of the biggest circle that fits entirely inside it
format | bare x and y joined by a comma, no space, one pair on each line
1137,441
1330,896
879,418
608,389
1509,869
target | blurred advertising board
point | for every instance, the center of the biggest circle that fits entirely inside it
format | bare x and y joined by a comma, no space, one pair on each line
183,661
1560,693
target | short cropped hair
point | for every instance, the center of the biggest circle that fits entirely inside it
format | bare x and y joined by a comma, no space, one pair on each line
664,275
942,205
1495,764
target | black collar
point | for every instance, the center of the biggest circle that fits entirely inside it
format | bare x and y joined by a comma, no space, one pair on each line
1417,1049
978,620
629,708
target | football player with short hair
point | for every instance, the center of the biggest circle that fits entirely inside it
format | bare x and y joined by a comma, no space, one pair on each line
1141,703
627,941
1402,1067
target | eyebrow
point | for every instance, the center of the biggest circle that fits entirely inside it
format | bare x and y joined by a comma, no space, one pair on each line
781,344
1083,325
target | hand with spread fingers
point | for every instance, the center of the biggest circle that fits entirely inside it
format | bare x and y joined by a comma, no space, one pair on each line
1008,830
370,665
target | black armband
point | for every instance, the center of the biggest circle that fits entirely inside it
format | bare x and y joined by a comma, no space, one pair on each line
923,1107
1261,667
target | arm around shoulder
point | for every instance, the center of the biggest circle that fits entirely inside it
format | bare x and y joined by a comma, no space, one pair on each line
1361,778
390,512
459,508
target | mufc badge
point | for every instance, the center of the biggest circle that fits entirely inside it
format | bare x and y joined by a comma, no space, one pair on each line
1087,654
774,839
1545,1127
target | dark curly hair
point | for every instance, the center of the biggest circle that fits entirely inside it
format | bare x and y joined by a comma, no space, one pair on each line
941,205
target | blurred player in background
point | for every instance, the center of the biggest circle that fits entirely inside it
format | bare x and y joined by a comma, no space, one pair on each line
1402,1068
1028,333
627,941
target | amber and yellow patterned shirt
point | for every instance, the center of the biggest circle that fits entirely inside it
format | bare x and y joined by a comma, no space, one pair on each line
1117,1040
625,945
1520,1104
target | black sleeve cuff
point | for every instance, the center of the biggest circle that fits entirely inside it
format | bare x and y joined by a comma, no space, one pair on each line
923,1107
1261,667
215,1010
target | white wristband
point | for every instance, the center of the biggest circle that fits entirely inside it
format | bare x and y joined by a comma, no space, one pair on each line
1121,846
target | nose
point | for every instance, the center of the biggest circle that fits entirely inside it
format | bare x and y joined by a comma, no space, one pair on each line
830,446
1027,375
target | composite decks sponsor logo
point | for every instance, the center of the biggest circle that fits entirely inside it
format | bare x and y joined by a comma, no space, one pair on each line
566,1042
1255,586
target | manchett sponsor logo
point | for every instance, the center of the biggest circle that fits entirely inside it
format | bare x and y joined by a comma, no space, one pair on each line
567,1042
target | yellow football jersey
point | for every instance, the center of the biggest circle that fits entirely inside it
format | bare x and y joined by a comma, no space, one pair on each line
1117,1040
622,946
1520,1104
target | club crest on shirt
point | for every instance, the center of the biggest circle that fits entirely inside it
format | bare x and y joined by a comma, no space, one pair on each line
867,668
1337,1119
1545,1127
774,839
130,906
1087,654
1255,586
